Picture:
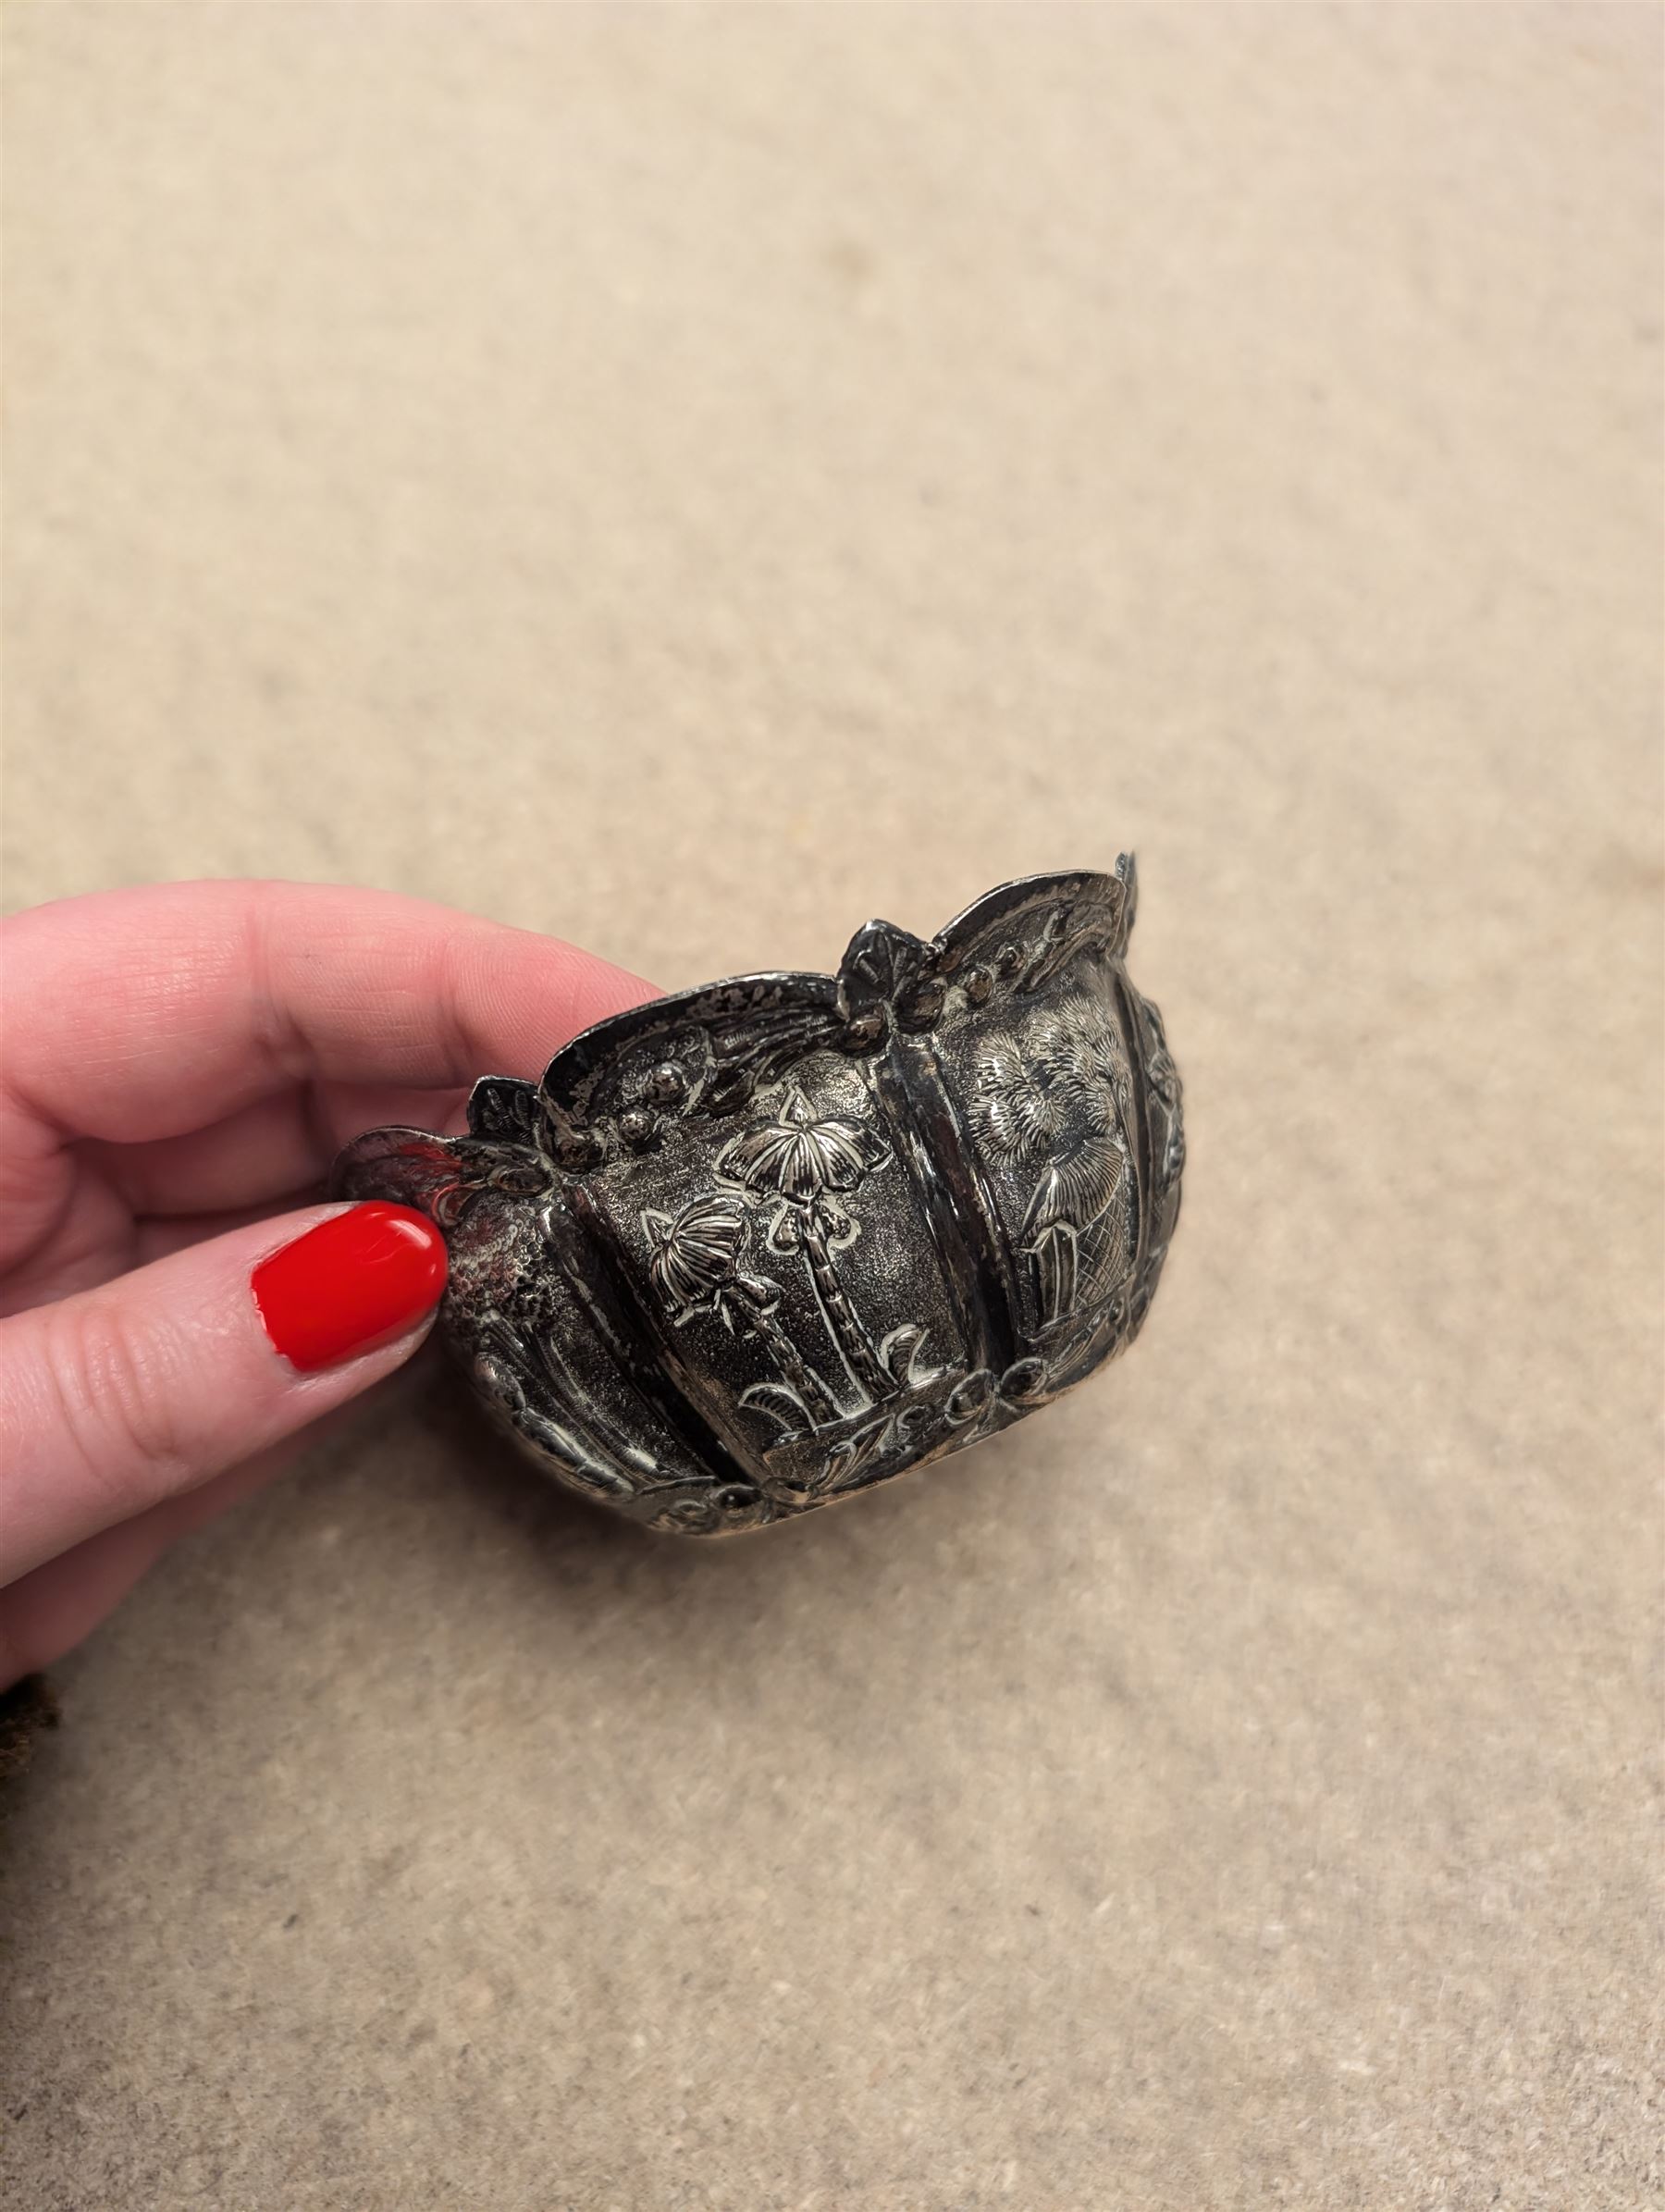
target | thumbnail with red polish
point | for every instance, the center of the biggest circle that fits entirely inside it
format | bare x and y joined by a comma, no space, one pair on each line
355,1280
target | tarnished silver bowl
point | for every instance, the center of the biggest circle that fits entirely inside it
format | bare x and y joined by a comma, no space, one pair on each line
753,1247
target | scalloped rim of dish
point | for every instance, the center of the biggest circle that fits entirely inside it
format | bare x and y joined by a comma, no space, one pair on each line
583,1054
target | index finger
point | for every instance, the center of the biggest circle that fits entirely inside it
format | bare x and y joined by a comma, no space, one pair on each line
133,1015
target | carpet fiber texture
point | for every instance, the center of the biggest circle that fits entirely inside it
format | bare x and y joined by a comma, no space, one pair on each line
689,480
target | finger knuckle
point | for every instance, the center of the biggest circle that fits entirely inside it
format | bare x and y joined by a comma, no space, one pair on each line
114,1382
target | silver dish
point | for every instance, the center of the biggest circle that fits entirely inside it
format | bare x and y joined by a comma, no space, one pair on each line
757,1246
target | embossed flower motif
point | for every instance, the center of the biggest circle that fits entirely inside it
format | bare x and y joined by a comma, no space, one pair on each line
807,1163
801,1157
696,1252
695,1266
1052,1101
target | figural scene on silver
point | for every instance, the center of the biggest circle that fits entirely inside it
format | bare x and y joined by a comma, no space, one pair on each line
751,1248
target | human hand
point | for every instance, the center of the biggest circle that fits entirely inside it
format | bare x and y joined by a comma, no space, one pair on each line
177,1067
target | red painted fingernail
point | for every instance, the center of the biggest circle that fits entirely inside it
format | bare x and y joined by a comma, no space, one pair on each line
353,1282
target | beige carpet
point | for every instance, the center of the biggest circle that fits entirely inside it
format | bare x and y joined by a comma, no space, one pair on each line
691,480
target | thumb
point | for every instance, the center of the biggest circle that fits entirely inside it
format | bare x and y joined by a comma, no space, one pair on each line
123,1396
